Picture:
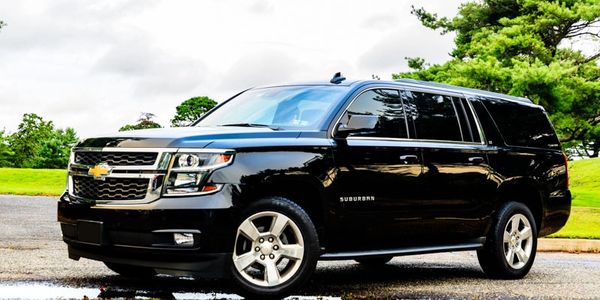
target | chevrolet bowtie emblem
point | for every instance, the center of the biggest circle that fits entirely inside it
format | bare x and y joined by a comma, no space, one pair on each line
100,171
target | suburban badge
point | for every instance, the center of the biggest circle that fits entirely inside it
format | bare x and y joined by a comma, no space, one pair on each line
357,199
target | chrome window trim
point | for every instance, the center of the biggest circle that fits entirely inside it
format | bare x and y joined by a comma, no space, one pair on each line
415,143
161,167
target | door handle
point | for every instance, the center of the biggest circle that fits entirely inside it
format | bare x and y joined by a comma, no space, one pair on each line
476,160
407,159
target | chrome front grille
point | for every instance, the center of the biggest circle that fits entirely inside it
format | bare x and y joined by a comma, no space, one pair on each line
113,175
91,158
110,188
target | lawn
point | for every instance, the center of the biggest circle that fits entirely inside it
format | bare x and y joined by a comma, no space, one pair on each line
584,176
584,222
32,181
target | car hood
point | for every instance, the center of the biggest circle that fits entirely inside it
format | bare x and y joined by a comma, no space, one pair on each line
194,137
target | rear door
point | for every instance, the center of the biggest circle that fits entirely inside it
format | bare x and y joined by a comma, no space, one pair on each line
458,198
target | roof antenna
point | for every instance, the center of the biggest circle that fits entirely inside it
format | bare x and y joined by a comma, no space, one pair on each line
337,78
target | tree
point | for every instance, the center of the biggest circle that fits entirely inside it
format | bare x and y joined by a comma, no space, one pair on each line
191,110
55,151
6,153
145,121
37,144
518,47
2,24
27,141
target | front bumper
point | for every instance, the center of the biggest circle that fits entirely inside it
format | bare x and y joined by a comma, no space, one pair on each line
144,236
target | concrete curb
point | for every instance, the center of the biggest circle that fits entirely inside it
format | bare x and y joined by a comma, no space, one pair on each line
568,245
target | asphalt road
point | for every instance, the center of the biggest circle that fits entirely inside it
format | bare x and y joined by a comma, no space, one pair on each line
34,264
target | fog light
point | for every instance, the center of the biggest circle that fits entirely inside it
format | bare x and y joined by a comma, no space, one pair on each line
184,239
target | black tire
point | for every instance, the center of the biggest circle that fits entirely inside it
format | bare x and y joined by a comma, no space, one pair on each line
131,271
493,256
307,264
374,261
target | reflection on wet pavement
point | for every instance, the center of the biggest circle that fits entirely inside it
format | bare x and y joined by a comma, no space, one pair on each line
50,291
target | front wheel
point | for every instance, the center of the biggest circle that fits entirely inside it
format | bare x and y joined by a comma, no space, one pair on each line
276,248
511,246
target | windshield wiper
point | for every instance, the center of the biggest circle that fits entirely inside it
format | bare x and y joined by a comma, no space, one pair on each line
252,125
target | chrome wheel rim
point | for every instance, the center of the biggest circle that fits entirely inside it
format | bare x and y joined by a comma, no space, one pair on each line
269,248
517,241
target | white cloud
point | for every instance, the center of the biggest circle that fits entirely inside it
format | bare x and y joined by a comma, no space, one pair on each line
95,65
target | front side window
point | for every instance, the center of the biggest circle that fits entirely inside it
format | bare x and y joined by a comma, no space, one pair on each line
290,107
385,104
434,117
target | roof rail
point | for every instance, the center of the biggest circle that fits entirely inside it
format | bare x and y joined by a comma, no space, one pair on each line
463,89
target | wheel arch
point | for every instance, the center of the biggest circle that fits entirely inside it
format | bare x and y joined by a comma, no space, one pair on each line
306,191
523,190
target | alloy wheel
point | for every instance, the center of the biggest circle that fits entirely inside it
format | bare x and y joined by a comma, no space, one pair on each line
269,249
517,241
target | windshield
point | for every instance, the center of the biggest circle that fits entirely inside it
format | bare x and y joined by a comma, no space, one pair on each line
291,107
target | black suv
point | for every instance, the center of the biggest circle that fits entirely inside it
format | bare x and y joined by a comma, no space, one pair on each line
277,178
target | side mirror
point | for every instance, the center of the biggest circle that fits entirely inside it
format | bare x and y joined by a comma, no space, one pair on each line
358,123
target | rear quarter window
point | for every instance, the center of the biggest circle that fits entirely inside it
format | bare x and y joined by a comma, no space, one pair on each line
522,125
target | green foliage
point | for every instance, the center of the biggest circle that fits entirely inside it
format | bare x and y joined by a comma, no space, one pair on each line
32,181
191,110
144,122
416,63
36,144
518,47
29,139
6,153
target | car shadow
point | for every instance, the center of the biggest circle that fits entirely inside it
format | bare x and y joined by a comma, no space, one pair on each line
330,280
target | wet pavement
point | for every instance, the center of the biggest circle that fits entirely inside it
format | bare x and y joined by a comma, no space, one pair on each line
34,265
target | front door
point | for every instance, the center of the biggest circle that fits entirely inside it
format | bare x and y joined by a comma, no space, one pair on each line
378,179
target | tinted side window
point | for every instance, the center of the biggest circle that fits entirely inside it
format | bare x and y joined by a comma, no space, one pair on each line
387,105
487,124
474,132
434,116
522,125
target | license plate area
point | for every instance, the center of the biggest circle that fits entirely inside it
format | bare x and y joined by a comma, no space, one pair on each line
91,232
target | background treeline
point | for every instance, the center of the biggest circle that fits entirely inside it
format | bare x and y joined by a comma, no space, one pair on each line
37,143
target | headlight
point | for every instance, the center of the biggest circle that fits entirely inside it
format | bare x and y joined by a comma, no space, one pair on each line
190,170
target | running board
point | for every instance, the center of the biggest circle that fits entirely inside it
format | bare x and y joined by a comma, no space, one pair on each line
468,245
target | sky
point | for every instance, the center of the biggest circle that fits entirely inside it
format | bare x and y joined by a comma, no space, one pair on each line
97,65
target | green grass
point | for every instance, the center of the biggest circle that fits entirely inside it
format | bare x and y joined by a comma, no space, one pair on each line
583,223
584,176
32,181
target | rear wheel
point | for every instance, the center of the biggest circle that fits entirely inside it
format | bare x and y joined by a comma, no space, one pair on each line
511,246
131,271
276,248
374,261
